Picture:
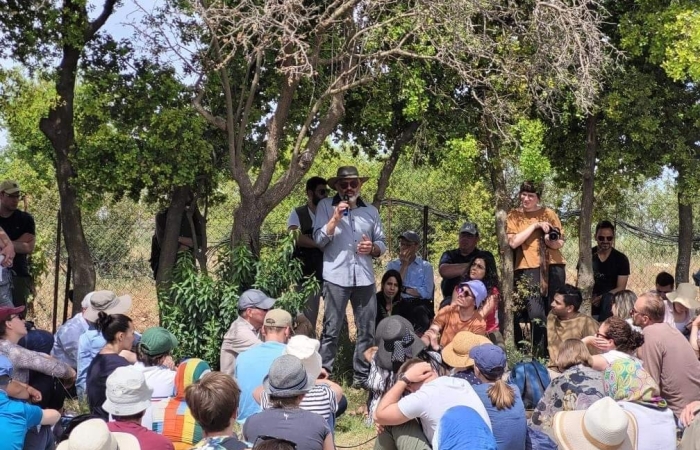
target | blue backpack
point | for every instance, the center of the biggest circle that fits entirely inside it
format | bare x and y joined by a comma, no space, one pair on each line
532,379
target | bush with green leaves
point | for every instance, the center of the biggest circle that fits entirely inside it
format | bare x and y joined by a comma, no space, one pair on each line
199,307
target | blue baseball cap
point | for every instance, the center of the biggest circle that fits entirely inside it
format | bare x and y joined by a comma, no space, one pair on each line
5,366
478,290
489,359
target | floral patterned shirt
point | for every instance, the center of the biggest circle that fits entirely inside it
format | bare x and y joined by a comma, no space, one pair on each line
574,390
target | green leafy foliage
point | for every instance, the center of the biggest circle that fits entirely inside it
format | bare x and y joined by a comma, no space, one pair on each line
534,165
199,308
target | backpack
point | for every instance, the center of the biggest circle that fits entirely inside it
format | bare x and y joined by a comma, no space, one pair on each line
532,379
538,440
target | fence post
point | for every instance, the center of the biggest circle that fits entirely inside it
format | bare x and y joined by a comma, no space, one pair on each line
57,264
426,210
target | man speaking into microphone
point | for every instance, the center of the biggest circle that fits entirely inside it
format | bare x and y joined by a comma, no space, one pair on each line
350,233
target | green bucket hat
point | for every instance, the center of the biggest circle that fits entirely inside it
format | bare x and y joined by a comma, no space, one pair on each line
157,341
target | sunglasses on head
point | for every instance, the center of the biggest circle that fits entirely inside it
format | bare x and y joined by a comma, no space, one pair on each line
348,184
605,238
263,438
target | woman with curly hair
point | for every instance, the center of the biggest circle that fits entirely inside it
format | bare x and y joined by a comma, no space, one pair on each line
616,339
484,270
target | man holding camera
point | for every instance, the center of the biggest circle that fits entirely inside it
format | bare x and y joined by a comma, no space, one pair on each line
535,234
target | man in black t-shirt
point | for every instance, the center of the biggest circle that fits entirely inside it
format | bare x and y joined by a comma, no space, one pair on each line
20,228
454,263
611,269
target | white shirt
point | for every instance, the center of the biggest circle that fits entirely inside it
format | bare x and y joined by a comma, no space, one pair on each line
293,220
656,428
431,401
613,355
162,381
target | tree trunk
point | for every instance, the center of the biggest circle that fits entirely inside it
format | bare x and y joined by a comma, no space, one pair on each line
58,128
585,257
404,138
169,244
248,219
502,198
685,227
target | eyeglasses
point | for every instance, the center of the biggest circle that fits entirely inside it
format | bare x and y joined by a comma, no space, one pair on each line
601,335
322,191
605,238
465,291
263,438
348,184
634,311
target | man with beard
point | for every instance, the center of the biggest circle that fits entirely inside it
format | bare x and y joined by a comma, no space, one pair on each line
311,257
611,269
350,233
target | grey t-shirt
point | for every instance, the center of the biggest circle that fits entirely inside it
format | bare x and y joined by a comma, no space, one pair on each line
306,429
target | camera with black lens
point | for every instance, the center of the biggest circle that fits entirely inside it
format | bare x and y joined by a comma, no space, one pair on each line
554,234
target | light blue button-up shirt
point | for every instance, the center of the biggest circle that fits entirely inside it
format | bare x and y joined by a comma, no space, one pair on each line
419,276
342,264
65,345
89,345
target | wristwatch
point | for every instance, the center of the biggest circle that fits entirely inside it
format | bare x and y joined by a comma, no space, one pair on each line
404,379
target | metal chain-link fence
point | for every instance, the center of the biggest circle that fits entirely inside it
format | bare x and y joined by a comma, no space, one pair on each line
120,235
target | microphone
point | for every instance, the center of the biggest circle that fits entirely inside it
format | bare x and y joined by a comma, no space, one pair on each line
345,199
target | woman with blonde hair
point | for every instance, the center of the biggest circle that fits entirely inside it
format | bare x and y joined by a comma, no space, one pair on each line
502,401
577,388
623,304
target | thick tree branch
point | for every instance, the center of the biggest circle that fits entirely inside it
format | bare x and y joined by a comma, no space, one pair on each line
95,25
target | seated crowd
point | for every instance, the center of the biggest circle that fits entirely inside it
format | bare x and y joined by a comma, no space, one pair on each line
625,377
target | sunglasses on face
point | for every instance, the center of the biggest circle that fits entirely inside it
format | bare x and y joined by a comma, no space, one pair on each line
465,291
605,238
14,196
601,335
264,438
348,184
322,191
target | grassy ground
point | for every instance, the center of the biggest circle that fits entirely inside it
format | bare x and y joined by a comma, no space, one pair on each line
351,429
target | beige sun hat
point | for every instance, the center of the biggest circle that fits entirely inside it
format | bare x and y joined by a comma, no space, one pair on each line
686,294
456,353
107,302
93,434
604,425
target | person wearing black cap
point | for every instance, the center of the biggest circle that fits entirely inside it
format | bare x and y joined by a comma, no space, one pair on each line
418,283
350,233
454,264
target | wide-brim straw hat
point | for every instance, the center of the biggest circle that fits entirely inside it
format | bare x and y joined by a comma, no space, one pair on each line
686,294
93,434
604,425
456,353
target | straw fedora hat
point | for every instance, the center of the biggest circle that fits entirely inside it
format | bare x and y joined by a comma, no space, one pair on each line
604,425
456,353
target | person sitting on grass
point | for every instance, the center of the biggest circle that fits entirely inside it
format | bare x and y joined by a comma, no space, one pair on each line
118,331
565,322
577,388
156,363
484,270
396,343
502,401
461,315
456,354
172,417
213,401
617,339
286,384
128,397
16,416
428,399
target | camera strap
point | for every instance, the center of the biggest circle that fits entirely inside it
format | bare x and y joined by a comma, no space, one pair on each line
544,266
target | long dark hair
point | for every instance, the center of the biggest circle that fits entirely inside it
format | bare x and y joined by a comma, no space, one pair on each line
392,273
111,324
490,277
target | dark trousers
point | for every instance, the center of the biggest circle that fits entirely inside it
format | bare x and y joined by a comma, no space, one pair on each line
419,312
364,308
606,302
535,307
22,288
